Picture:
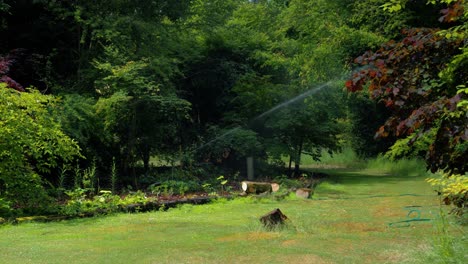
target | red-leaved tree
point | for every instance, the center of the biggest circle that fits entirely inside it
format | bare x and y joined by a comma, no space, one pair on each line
6,63
405,75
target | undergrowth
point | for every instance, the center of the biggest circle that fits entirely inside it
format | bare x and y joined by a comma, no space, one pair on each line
401,167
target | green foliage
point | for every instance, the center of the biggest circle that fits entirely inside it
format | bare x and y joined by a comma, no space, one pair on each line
129,76
408,167
222,183
5,208
231,144
411,146
420,102
137,197
77,118
79,204
364,117
286,183
346,157
174,187
143,79
454,191
113,177
89,178
394,5
31,143
447,247
207,15
138,117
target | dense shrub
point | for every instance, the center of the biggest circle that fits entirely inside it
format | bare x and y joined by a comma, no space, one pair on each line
454,191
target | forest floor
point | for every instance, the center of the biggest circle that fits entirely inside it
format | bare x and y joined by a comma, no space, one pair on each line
354,217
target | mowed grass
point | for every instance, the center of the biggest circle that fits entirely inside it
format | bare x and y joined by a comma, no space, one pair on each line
347,221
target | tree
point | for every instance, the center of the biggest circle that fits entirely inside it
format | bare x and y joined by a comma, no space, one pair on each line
308,125
268,53
32,143
365,116
140,118
388,18
423,79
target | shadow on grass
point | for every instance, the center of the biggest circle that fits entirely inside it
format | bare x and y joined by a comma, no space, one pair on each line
347,176
352,184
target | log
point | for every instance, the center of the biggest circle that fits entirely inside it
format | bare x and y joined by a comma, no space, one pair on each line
275,187
273,219
304,193
259,187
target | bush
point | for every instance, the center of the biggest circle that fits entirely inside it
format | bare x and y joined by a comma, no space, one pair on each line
172,187
32,145
104,203
454,191
287,183
5,209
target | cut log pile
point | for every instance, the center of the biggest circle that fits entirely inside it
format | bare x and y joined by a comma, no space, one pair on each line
250,187
261,188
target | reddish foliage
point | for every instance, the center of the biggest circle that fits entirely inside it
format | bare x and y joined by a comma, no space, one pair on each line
6,62
404,76
452,13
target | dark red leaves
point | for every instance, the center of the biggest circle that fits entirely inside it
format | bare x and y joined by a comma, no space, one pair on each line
405,77
382,132
349,85
452,13
12,83
5,64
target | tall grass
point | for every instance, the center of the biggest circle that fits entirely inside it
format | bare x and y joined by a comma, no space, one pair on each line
402,167
449,242
348,159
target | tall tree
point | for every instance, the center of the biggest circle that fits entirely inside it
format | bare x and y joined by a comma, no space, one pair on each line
422,79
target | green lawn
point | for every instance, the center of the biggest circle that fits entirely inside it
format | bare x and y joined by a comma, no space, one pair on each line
347,222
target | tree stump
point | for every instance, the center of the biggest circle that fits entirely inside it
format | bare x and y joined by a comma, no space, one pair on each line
259,187
304,193
273,219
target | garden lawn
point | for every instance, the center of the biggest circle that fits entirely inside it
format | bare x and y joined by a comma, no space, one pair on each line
346,222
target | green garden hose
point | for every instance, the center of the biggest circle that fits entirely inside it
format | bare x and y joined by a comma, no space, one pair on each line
414,215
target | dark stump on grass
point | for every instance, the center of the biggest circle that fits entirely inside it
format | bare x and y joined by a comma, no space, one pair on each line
273,219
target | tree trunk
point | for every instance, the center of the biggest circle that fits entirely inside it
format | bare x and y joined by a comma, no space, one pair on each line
146,158
131,143
297,162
